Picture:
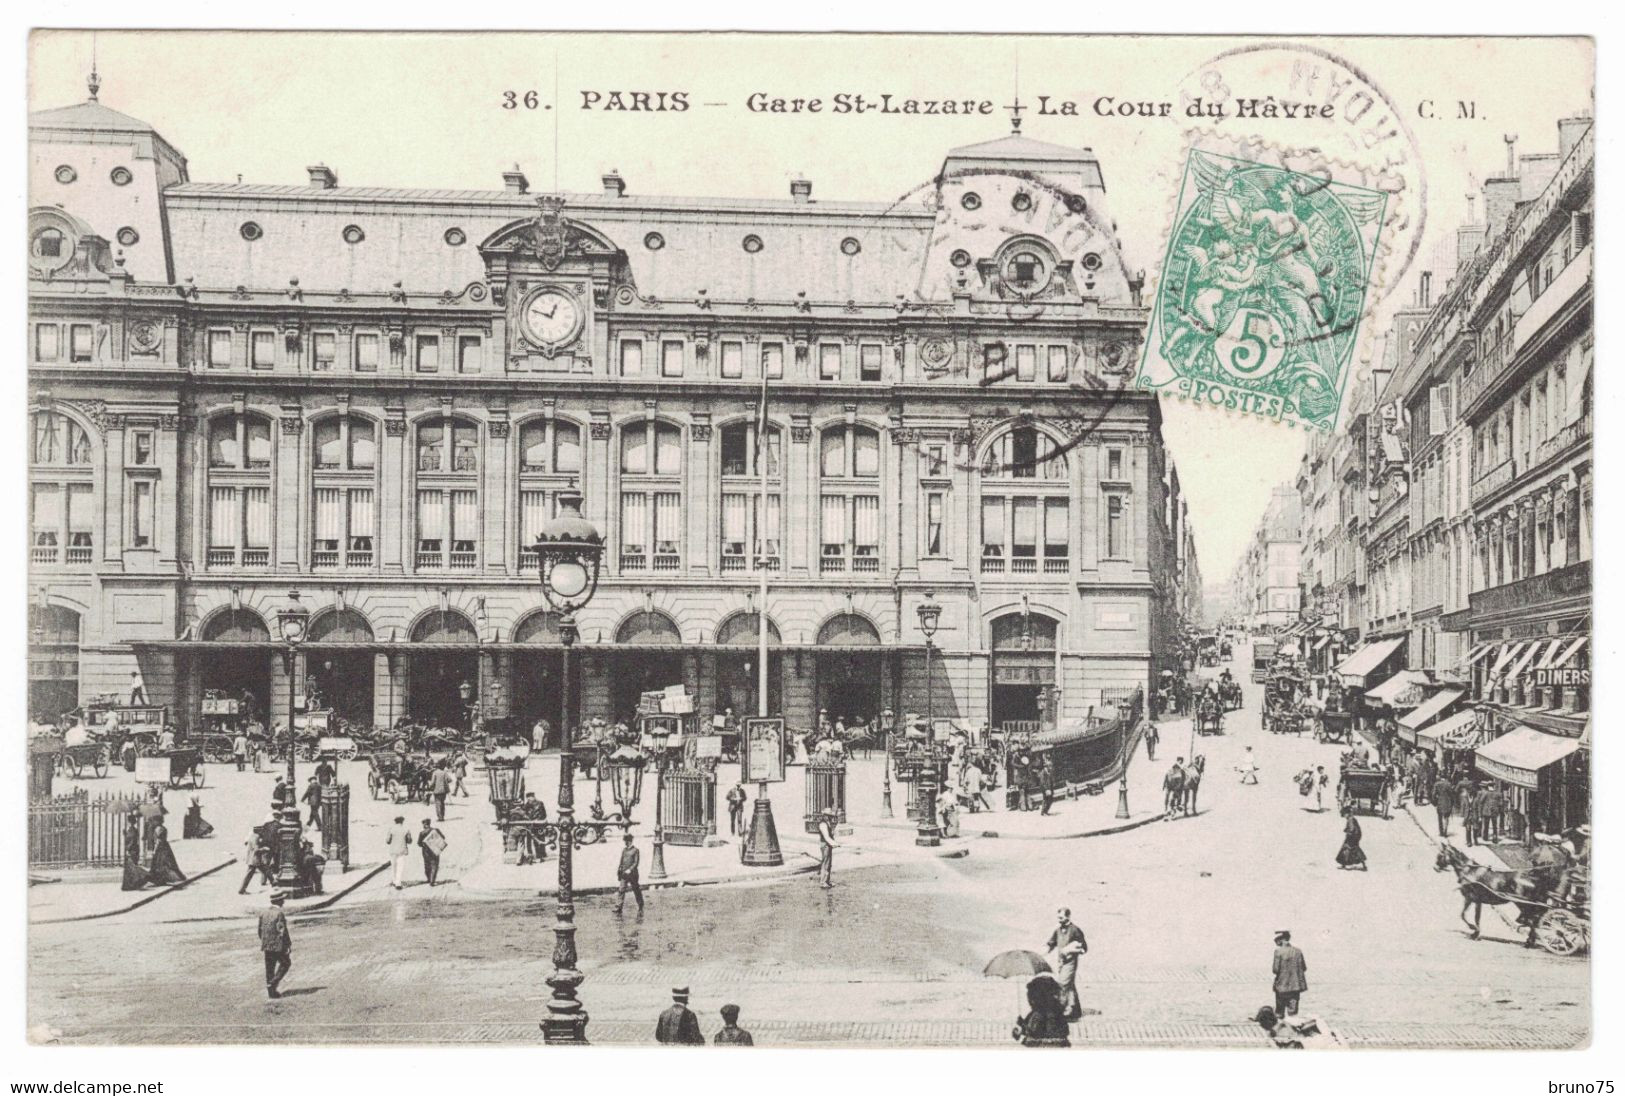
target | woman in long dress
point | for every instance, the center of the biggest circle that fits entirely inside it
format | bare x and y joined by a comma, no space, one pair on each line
135,876
1045,1023
164,871
193,824
1350,855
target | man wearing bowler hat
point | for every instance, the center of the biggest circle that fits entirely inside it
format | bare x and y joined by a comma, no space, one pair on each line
276,944
1289,967
677,1025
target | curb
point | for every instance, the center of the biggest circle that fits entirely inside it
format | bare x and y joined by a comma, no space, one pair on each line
1105,832
785,872
153,897
317,907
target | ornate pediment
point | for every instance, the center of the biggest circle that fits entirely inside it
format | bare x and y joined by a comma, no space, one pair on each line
549,238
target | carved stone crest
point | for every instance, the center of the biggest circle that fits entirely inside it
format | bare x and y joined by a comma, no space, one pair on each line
550,232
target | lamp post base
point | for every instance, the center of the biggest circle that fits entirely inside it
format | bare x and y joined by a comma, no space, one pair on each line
762,843
566,1021
288,833
1122,798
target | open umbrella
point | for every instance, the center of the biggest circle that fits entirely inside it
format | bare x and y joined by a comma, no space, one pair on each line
1016,964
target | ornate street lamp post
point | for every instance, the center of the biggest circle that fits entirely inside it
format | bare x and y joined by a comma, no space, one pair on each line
928,833
570,550
291,620
657,861
465,692
886,718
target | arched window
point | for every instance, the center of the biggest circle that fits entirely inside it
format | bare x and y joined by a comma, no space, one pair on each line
240,511
651,496
549,457
344,464
745,533
448,494
849,499
61,491
1026,511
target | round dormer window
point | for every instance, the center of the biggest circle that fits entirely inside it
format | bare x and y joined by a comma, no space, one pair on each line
1022,201
128,236
752,244
66,174
971,200
353,234
960,258
121,176
251,231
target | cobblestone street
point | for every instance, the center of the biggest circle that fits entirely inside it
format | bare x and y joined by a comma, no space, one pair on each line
1179,916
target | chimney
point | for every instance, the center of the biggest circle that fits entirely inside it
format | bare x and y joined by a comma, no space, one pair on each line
1469,238
322,177
801,189
514,182
1500,200
1424,292
1569,132
614,185
1535,170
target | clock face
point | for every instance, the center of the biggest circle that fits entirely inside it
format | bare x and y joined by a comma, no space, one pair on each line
553,317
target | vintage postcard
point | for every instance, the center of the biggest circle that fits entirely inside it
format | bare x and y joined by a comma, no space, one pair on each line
788,540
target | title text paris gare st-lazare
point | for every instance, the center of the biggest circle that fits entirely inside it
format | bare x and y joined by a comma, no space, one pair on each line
1105,106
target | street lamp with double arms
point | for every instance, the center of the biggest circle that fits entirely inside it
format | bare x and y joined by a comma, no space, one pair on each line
928,833
292,620
570,551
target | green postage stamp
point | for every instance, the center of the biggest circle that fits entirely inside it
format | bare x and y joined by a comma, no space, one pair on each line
1263,289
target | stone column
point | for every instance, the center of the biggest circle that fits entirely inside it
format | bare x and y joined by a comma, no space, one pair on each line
800,500
497,499
291,546
111,532
394,515
701,486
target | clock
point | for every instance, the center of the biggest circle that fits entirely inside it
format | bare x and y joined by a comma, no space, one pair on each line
552,317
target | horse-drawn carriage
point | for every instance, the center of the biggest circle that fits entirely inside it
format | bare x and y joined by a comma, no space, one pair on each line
401,776
1207,650
1550,889
1209,715
1364,790
80,753
1335,726
1229,694
174,766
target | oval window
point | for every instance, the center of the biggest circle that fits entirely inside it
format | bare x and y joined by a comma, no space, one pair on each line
66,174
121,176
353,234
251,231
850,246
960,258
752,244
1022,202
455,237
654,241
129,237
971,200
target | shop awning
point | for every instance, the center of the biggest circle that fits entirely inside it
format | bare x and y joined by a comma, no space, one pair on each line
1479,652
1518,756
1504,656
1525,659
1366,660
1393,692
1449,730
1322,641
1427,711
1569,652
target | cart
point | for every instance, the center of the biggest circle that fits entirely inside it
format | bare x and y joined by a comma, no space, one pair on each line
1565,927
1364,790
1209,718
185,764
1230,695
1335,727
337,748
383,772
94,755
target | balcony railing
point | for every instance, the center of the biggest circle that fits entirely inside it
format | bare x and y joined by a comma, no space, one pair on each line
667,561
358,558
831,564
529,557
221,557
430,561
1055,565
462,561
324,557
633,561
1024,565
256,557
79,553
46,553
866,564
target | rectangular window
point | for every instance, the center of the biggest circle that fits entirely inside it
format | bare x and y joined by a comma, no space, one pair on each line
832,534
1026,363
1116,528
936,459
1023,535
470,354
366,353
81,339
829,362
359,549
993,534
671,358
1058,364
431,528
668,452
81,522
1057,535
631,357
668,530
869,358
634,531
256,525
323,351
141,447
465,525
866,454
866,533
933,523
733,360
1114,464
428,354
767,534
735,532
219,349
772,360
832,453
47,523
534,512
47,342
329,527
263,347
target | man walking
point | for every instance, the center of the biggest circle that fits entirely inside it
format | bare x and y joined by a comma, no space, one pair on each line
239,750
460,771
1068,944
1444,801
431,843
440,787
826,847
276,944
1150,740
1173,788
1289,968
677,1025
1248,767
627,872
1491,806
736,809
1321,780
1469,812
398,842
313,797
732,1035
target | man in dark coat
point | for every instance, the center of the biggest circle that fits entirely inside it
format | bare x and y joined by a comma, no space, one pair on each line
1173,788
627,872
736,809
1068,944
1289,968
677,1025
1468,803
732,1035
1491,806
276,944
1444,801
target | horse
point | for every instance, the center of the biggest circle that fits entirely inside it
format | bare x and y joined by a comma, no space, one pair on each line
1193,781
1481,886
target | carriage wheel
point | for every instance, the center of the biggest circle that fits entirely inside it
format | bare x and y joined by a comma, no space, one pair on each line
102,761
372,784
347,755
174,780
74,765
1561,932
